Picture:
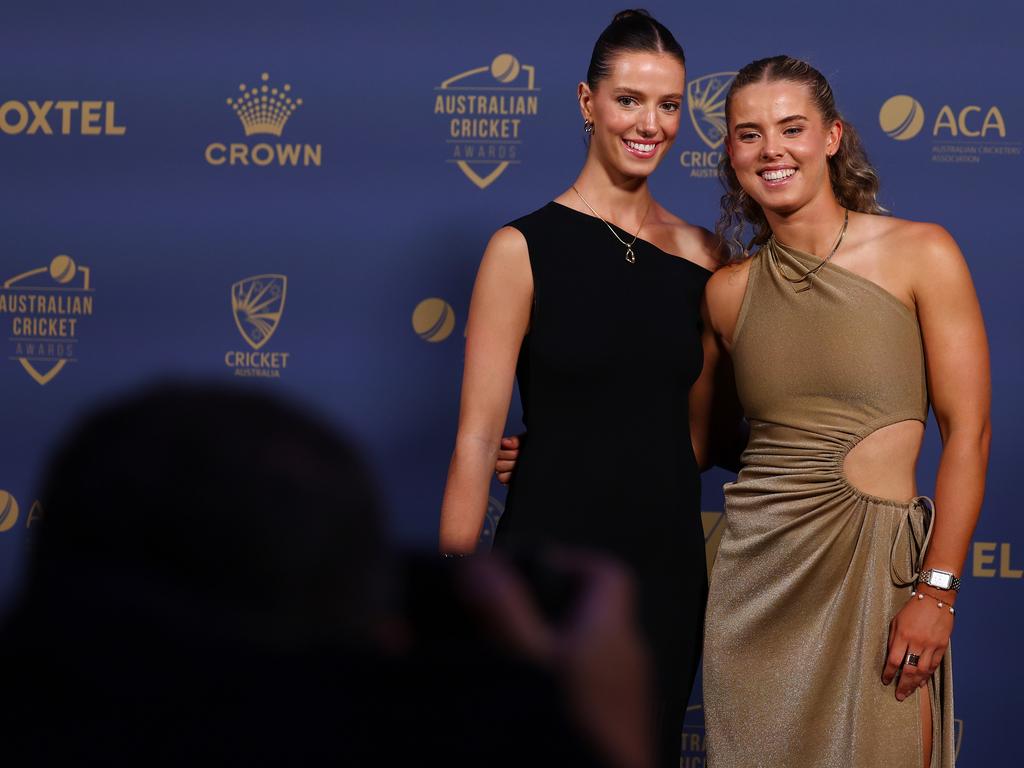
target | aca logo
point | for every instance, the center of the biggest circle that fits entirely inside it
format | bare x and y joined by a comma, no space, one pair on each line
693,749
257,304
263,110
45,306
960,134
10,511
901,117
484,109
85,118
714,527
433,320
705,100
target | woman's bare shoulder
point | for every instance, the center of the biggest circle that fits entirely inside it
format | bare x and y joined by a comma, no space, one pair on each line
723,296
730,279
690,241
916,250
918,240
507,238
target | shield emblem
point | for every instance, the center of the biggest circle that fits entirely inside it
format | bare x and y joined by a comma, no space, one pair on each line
485,158
705,99
257,303
62,279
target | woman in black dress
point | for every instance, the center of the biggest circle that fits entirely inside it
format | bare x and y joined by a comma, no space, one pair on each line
594,303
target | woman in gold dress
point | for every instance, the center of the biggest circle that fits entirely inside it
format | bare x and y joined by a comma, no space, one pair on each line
831,602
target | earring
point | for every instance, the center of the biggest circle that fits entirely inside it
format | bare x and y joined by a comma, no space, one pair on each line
588,126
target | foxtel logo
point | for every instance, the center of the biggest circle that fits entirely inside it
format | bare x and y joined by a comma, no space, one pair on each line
88,118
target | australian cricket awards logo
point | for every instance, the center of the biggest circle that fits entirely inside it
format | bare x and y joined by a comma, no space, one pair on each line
484,109
263,110
257,304
705,100
45,306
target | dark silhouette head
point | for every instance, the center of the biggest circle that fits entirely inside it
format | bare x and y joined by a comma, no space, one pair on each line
209,515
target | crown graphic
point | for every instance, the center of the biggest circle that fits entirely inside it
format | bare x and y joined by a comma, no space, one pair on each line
264,108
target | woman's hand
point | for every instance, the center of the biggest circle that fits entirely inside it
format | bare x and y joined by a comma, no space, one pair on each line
508,454
921,628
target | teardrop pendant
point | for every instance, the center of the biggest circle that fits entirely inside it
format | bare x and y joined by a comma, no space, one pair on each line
630,256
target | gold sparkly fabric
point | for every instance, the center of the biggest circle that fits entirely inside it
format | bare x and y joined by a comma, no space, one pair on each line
811,570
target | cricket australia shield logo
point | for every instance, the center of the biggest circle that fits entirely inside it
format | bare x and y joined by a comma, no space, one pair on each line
705,99
257,303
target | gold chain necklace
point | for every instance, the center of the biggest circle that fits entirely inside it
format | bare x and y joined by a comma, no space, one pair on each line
630,256
809,275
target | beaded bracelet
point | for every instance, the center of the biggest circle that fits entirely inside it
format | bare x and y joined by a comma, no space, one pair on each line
921,596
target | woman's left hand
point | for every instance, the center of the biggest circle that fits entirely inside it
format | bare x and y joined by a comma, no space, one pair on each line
923,629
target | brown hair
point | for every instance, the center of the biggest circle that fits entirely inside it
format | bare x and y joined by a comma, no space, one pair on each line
630,30
854,180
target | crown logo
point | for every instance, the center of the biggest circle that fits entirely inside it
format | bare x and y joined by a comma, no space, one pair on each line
257,303
264,108
706,100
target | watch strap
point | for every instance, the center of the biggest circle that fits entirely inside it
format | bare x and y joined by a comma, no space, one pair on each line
954,581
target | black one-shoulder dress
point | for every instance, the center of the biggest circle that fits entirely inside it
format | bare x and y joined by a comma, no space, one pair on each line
604,376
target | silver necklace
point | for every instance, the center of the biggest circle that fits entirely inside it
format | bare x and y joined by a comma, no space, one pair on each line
630,256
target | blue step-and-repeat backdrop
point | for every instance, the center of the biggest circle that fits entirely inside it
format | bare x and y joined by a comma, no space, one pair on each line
295,196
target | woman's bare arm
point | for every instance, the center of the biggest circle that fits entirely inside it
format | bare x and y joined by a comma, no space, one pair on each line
499,316
716,418
959,384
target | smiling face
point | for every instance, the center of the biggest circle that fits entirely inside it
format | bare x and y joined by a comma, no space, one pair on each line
779,144
635,112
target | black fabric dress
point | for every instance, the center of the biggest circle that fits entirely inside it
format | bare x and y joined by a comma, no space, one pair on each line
604,375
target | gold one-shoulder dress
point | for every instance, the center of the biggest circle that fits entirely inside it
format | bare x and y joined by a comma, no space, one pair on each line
811,570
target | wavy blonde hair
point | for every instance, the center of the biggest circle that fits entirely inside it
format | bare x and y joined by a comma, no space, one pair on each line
854,179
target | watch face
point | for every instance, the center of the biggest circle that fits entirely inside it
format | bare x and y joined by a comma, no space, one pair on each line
941,579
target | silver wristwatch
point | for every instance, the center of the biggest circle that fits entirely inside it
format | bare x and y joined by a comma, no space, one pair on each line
939,579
